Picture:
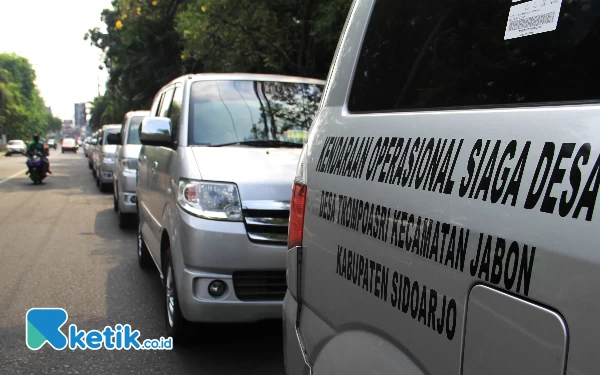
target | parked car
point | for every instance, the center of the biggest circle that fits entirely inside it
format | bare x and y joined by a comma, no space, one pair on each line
69,144
52,143
104,156
125,169
91,148
15,147
86,145
442,211
214,180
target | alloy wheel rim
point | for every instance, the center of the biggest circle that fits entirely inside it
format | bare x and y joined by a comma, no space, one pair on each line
139,244
170,295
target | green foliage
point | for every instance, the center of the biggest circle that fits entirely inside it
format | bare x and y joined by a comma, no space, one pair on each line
148,43
142,54
295,37
22,110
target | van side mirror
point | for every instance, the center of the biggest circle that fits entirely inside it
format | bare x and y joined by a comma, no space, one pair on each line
156,131
114,139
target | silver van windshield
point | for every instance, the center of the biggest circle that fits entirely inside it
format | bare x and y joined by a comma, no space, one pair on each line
251,112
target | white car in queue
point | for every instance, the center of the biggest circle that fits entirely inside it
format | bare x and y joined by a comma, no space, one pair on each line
125,168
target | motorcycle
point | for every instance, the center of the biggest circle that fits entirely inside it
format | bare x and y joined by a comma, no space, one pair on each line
37,169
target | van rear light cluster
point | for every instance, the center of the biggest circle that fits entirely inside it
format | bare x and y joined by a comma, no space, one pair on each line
298,204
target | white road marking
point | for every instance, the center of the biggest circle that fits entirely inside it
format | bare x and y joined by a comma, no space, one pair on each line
13,176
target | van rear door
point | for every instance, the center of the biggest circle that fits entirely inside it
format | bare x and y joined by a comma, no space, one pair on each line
452,178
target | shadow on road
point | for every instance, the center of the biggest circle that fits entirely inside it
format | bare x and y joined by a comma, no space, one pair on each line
135,296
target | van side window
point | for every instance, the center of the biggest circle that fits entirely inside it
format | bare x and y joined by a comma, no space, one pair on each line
428,54
166,103
175,112
156,105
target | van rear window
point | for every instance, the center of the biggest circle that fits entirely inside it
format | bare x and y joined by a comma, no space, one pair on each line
430,54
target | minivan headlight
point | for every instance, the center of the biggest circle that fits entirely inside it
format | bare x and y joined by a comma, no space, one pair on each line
108,157
210,200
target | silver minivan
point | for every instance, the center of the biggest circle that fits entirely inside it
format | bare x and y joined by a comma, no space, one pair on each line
214,179
104,156
125,168
442,218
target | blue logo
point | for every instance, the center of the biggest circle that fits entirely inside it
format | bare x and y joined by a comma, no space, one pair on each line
43,326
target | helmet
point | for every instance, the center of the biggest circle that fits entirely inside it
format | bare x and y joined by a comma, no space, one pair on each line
36,137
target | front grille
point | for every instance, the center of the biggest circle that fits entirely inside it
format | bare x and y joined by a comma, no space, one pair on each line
259,285
267,226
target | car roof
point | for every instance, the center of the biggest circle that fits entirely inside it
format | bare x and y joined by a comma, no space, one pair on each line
138,113
111,126
247,77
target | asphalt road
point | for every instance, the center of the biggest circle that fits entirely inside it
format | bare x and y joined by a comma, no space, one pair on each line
60,246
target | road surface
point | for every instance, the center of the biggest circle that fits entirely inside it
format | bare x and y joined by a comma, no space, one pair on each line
60,246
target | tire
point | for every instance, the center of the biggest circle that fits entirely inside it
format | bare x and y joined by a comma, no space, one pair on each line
177,326
115,202
144,259
103,187
125,220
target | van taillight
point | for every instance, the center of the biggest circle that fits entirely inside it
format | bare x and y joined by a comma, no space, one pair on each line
297,208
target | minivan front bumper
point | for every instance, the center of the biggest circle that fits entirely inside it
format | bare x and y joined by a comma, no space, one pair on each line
105,174
126,191
254,273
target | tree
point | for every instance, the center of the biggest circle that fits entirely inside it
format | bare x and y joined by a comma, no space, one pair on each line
22,110
296,37
142,54
148,43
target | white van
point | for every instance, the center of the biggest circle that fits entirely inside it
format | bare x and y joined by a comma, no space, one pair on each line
443,218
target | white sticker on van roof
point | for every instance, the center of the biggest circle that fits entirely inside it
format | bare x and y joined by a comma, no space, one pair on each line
532,17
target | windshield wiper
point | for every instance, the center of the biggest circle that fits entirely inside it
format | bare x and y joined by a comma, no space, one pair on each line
261,143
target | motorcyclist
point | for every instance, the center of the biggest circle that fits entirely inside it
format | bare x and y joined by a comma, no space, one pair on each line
36,145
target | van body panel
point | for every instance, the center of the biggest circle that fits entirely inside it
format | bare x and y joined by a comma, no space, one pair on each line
407,211
501,327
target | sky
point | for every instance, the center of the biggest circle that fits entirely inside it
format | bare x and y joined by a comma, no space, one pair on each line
50,34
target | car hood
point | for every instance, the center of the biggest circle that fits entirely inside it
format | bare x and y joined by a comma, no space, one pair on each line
265,174
131,151
109,149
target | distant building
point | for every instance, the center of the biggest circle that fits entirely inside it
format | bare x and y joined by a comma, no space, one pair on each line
80,114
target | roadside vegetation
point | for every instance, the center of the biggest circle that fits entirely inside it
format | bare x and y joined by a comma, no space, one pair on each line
147,43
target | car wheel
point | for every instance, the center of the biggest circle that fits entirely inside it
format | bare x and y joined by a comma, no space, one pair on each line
115,202
143,255
177,326
104,187
125,220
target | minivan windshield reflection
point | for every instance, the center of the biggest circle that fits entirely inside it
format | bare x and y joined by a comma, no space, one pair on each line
254,113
